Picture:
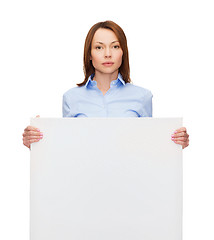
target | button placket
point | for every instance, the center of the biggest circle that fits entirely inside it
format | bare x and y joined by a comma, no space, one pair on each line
104,102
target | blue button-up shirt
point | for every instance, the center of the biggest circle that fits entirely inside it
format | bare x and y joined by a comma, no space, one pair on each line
121,100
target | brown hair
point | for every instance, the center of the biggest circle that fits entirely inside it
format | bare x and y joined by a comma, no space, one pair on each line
89,68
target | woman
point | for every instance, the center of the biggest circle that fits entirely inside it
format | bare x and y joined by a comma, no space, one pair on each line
106,90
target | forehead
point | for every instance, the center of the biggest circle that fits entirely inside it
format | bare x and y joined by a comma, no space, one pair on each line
104,35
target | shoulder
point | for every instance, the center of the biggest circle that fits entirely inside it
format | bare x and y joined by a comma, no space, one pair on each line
138,90
73,92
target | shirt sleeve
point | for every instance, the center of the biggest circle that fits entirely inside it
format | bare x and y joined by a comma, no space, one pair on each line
70,103
65,107
147,105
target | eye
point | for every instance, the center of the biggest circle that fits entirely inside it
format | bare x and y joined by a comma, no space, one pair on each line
116,46
98,47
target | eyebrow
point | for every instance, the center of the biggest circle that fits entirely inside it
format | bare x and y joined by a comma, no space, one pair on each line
111,42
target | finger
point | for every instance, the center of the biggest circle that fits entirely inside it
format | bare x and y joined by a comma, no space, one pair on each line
31,139
31,128
35,133
180,139
28,143
34,140
32,133
181,134
28,138
182,129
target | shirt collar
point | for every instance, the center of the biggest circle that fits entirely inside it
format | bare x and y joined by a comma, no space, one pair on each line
91,82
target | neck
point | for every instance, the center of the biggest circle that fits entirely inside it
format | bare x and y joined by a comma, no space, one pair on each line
104,79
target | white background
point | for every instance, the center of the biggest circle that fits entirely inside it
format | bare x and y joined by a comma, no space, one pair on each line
171,53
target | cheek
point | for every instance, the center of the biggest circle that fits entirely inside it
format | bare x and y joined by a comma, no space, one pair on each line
95,57
120,57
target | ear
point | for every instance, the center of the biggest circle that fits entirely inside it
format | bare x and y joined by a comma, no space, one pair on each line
90,58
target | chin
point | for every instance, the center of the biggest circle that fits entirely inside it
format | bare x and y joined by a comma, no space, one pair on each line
109,70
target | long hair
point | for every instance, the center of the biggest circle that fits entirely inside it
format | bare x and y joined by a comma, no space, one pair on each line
89,68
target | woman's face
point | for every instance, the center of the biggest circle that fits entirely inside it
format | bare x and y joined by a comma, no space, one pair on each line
106,53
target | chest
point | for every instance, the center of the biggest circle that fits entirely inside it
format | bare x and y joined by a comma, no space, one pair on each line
106,104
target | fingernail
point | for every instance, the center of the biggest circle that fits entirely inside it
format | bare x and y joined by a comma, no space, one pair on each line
175,131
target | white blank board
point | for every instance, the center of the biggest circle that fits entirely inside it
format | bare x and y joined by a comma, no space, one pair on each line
106,179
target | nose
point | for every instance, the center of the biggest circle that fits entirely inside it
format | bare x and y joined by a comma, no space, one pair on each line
107,52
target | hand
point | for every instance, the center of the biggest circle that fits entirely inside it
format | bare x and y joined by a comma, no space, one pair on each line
31,135
181,137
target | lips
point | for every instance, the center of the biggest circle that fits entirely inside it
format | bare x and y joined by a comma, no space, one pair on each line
108,64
